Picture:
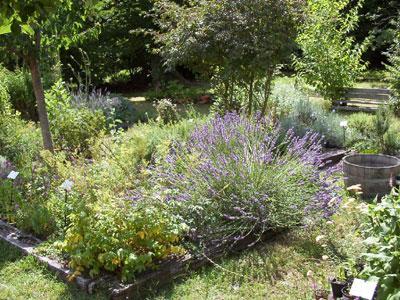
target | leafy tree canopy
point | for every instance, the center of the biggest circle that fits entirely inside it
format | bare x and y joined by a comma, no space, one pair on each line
241,40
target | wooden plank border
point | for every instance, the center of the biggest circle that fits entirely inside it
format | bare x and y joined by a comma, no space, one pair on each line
27,244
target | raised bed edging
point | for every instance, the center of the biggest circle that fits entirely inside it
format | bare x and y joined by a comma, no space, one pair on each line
27,243
333,157
172,269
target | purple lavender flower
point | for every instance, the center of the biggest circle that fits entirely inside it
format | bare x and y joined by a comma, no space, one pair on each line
248,175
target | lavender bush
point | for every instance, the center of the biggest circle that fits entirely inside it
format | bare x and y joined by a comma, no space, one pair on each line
238,176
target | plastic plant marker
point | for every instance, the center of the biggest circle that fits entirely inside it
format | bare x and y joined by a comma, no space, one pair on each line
363,288
67,185
13,175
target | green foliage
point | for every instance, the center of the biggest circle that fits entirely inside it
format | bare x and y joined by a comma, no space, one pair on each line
5,107
373,134
363,123
307,116
232,40
382,123
73,128
176,91
112,225
108,220
285,96
22,24
382,232
166,111
331,60
19,86
125,27
19,140
394,71
116,109
8,197
124,236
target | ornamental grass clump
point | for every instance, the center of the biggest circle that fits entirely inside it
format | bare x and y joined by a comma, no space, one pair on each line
237,177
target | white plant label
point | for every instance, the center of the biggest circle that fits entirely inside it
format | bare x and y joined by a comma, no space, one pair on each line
13,175
364,289
67,185
343,124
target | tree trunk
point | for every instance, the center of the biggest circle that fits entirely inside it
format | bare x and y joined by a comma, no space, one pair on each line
34,67
156,72
267,90
41,105
251,86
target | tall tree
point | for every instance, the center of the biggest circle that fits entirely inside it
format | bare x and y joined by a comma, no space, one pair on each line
25,26
331,59
241,42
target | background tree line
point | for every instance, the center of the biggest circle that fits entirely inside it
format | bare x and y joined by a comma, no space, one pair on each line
237,46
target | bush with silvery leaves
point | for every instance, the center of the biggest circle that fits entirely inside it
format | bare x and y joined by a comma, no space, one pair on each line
285,96
307,116
113,107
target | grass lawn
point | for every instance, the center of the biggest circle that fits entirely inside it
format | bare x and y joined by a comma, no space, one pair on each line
21,277
275,270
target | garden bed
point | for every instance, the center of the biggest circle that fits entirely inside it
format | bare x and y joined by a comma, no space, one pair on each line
162,274
219,188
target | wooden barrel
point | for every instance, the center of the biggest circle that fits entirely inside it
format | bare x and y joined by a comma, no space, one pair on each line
376,173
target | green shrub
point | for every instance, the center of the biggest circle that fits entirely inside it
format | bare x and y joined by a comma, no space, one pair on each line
122,236
285,96
331,60
373,134
237,177
73,128
19,86
5,107
394,71
121,77
177,92
117,109
9,196
112,225
362,123
382,241
107,221
166,111
20,141
307,116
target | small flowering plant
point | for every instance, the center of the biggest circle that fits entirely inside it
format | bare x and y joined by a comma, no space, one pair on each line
238,176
